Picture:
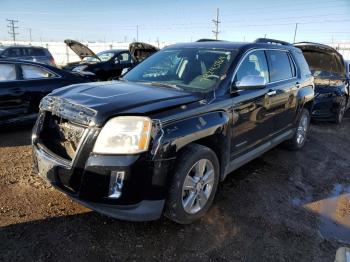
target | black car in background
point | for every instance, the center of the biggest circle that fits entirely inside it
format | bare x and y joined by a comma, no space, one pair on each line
163,137
108,64
331,85
23,84
30,53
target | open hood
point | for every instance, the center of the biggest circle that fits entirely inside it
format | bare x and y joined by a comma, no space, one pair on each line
141,51
323,59
81,50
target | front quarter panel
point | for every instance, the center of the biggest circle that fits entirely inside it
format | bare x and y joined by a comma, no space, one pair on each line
170,138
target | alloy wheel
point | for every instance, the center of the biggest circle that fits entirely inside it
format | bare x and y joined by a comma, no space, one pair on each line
198,186
302,129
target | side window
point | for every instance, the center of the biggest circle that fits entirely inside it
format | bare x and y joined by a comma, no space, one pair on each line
253,65
7,72
13,52
279,64
304,67
35,72
124,58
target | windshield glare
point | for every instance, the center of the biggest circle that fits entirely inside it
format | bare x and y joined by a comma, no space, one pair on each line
192,69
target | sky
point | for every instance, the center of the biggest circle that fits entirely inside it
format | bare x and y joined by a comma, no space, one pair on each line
177,20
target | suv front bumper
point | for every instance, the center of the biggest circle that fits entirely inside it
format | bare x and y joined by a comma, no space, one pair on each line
141,200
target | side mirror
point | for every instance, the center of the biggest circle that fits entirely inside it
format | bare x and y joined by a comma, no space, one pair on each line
116,61
125,70
250,82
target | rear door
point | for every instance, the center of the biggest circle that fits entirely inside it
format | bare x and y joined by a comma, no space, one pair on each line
252,121
12,92
282,89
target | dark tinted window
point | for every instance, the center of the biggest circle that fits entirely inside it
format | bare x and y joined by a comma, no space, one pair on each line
35,52
279,65
304,67
13,52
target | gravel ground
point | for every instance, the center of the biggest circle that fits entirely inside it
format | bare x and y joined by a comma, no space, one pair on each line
283,206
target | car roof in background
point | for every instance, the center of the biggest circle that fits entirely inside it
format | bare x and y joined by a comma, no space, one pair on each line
20,61
229,45
112,51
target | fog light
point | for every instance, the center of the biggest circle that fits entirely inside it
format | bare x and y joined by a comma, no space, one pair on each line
116,184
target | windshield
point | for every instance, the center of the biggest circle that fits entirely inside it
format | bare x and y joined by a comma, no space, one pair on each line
103,57
191,69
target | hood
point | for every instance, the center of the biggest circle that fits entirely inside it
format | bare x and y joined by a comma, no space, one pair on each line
323,59
95,103
81,50
141,51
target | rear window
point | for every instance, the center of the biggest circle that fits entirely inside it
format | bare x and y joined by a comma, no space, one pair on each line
324,64
279,65
7,72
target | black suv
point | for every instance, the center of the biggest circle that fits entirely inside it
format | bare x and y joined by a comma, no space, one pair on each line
164,136
29,53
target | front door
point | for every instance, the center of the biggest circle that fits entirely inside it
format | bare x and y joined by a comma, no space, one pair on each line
252,123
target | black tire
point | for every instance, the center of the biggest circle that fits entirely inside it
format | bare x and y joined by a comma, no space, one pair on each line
294,143
341,111
174,209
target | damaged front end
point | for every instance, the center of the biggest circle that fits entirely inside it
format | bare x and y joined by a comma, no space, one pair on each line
122,186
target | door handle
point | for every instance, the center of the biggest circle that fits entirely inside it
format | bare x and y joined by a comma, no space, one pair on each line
271,93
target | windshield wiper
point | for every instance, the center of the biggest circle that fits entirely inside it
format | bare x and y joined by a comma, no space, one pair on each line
164,85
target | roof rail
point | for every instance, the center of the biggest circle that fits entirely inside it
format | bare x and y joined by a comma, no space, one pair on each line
271,41
208,40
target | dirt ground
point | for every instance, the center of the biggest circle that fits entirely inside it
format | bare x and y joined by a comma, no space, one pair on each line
283,206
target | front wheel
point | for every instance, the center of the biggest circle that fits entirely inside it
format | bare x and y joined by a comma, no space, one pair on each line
194,184
299,138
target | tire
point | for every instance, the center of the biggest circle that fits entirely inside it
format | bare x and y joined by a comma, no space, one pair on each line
341,111
200,194
299,138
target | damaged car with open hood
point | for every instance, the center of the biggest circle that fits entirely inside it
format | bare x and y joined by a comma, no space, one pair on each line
160,139
331,84
108,64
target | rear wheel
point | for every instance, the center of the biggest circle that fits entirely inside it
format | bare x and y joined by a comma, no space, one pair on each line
300,135
341,111
194,184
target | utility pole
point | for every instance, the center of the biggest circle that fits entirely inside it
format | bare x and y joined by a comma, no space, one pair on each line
137,33
216,23
295,32
30,35
13,28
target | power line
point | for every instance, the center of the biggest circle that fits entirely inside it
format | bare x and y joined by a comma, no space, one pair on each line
13,28
216,23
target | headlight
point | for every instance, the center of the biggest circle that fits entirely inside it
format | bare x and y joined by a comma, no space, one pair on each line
124,135
79,68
